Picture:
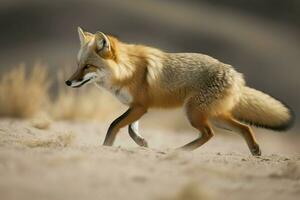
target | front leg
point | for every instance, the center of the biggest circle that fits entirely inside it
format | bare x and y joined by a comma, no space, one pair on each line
130,116
133,130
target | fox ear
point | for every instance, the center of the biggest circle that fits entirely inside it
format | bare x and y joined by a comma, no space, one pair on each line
82,36
102,43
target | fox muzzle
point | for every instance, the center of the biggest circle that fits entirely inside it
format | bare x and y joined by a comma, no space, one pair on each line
78,83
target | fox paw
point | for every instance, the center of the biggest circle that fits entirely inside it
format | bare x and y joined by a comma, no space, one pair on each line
255,150
142,142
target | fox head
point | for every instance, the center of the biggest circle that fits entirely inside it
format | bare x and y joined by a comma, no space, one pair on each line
92,60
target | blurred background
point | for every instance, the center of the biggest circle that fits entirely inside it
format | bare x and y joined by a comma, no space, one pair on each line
259,38
46,155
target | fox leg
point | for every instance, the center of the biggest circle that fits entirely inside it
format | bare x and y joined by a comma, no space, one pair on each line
206,134
200,122
130,116
133,130
246,133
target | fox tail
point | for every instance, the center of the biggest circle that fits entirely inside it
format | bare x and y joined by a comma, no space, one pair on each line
260,109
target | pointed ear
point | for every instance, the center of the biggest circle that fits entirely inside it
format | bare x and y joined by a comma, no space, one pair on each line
82,36
102,43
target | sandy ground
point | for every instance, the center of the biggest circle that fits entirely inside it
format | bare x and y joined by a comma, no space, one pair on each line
66,161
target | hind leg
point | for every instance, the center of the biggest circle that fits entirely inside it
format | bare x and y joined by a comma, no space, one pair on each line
199,121
245,131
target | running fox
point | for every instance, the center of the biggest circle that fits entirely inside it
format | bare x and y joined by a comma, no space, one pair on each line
143,77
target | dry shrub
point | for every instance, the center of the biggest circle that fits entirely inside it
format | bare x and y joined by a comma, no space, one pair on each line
26,94
22,95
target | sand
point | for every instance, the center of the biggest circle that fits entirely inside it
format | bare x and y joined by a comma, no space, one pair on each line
65,160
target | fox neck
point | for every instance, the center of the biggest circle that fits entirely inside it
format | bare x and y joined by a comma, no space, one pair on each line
120,92
133,60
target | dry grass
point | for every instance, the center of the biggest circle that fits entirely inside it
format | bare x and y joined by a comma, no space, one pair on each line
22,95
25,94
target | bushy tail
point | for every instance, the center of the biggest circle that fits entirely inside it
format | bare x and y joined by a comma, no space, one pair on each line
260,109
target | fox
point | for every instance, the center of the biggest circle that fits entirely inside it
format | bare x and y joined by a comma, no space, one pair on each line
143,77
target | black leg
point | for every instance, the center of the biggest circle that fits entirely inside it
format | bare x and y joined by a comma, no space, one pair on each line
130,116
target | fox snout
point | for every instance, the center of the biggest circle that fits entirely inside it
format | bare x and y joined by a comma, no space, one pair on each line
76,81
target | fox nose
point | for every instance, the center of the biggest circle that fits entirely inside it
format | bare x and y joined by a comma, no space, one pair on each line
68,83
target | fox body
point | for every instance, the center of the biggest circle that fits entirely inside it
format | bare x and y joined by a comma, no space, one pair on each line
144,77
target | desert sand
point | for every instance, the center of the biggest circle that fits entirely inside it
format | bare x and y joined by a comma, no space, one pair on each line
64,160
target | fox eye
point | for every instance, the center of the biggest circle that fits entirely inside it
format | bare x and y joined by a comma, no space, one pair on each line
86,67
